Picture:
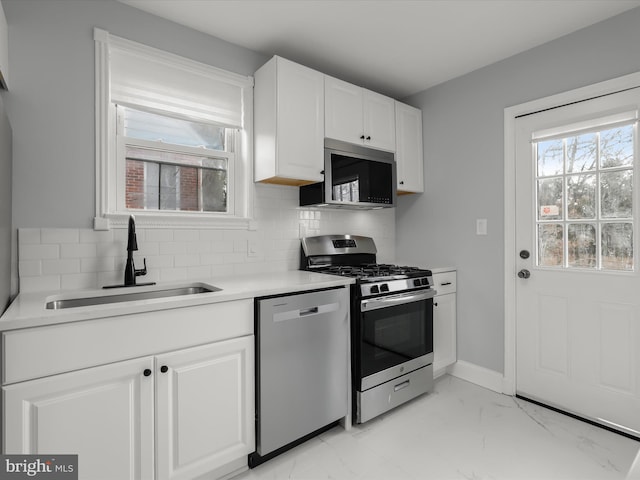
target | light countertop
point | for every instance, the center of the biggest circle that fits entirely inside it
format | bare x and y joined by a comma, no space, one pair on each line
28,309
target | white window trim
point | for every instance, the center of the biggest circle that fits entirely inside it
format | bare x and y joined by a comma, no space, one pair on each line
108,212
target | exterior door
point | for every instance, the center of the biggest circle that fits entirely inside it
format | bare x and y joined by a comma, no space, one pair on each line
577,296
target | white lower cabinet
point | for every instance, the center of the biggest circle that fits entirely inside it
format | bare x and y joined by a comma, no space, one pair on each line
103,414
178,415
205,408
444,321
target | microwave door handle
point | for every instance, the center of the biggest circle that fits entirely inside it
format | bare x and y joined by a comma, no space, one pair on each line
394,300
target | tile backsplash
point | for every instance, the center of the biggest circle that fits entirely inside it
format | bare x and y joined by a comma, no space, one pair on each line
63,259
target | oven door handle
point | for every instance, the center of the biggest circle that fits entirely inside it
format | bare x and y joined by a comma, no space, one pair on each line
393,300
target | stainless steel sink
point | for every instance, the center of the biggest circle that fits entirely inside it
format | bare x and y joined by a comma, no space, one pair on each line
65,302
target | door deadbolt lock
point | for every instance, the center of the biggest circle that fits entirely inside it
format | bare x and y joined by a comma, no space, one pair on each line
524,254
524,273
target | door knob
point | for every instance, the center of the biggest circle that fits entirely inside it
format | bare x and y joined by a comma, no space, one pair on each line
524,273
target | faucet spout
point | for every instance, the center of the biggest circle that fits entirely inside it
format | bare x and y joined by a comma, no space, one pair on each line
130,272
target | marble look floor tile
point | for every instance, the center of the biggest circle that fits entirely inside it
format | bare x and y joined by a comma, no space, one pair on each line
460,431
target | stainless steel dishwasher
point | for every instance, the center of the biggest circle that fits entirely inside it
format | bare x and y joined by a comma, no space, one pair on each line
302,382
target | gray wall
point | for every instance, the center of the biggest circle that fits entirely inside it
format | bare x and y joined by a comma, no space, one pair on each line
463,138
51,101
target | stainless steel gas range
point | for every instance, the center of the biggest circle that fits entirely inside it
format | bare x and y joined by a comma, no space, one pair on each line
391,322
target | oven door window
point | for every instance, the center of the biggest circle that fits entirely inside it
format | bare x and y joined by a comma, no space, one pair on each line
391,336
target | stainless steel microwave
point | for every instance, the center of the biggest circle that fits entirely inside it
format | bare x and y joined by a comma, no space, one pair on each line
354,177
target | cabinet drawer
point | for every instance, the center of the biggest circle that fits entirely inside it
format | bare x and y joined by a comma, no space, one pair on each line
38,352
444,282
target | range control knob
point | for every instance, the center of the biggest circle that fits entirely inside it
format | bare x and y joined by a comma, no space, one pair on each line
416,282
425,281
384,287
375,289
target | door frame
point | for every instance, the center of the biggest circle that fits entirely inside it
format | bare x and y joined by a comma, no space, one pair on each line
510,115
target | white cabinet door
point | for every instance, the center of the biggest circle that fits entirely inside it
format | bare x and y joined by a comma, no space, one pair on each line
356,115
288,123
444,331
409,156
379,121
344,115
103,414
205,408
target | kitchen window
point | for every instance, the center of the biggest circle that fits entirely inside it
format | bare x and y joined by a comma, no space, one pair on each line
173,139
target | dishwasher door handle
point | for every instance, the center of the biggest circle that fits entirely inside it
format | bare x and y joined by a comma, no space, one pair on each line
305,312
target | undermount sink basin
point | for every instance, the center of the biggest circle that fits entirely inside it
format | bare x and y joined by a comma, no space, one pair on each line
62,302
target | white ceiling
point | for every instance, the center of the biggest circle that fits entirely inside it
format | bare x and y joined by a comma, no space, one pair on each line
396,47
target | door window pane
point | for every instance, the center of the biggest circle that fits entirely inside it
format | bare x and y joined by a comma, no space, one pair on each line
582,245
550,245
617,246
616,147
617,194
582,153
581,196
550,199
550,158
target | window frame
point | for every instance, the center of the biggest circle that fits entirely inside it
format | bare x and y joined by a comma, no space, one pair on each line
110,158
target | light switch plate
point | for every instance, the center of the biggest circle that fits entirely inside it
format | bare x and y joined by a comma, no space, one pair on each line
481,226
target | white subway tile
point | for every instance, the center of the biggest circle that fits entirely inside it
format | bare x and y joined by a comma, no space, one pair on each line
187,260
60,267
109,278
59,235
97,264
80,250
93,236
159,235
200,272
213,235
79,281
173,274
172,248
225,246
156,262
30,268
38,252
186,235
40,284
221,270
29,236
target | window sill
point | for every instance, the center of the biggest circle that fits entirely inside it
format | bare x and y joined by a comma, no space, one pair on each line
146,219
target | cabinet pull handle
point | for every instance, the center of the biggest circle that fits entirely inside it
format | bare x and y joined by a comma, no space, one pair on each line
401,182
164,369
369,137
146,372
444,284
361,137
435,304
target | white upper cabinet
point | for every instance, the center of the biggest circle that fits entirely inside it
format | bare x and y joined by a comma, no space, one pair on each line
288,123
4,50
356,115
409,157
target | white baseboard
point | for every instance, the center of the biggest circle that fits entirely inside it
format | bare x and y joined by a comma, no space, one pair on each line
479,375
